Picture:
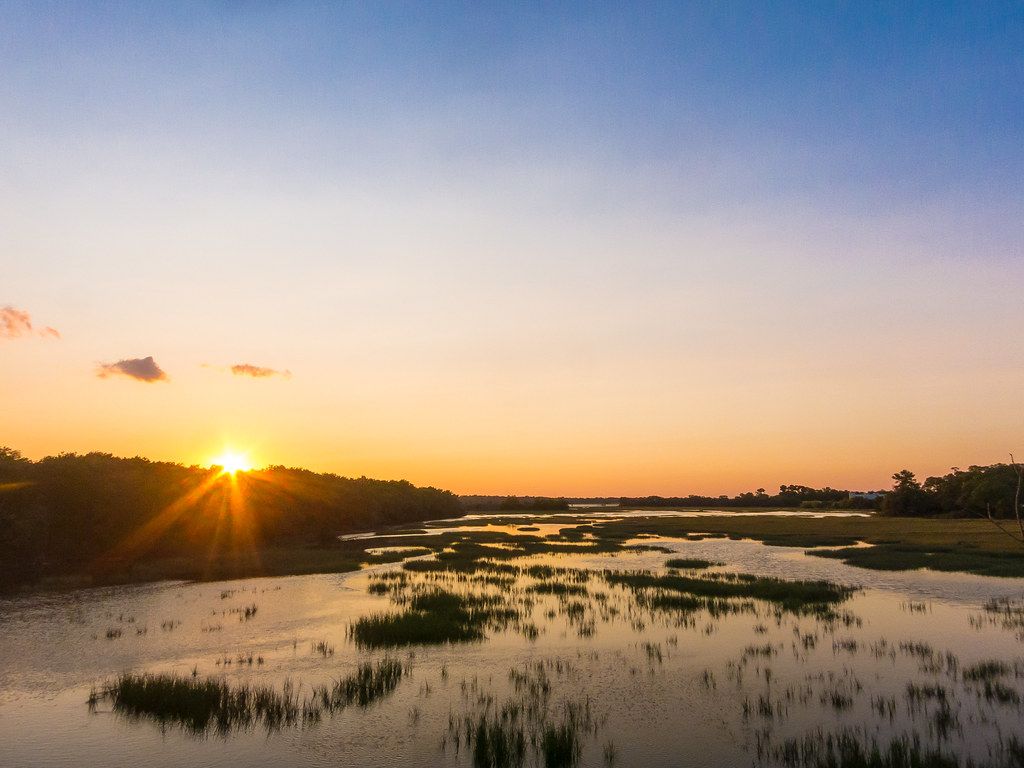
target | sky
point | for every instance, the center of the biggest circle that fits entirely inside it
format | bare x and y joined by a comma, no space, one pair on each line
579,249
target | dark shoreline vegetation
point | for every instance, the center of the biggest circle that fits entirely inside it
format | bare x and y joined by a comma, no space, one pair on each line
73,521
107,519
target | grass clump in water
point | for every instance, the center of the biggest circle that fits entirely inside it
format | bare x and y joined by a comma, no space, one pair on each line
499,741
323,648
557,588
908,556
795,596
849,749
202,705
690,563
199,706
560,744
528,729
432,618
413,628
368,684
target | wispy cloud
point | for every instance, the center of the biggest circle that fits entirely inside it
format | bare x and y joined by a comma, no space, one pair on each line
16,323
138,368
257,371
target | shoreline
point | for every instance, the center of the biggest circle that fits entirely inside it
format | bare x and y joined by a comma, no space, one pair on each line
894,543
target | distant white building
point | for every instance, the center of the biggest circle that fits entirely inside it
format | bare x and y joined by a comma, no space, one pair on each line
866,495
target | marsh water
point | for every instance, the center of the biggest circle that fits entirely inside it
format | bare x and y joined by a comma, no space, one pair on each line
932,656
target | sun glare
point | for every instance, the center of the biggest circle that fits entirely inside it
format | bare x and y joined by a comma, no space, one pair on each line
230,463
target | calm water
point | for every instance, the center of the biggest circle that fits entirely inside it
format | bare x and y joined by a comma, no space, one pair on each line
665,690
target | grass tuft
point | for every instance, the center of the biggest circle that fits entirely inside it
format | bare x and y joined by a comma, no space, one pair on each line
690,563
199,706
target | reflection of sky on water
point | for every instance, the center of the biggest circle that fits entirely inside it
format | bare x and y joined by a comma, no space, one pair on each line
53,648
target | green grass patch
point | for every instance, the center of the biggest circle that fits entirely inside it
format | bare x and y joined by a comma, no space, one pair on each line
434,617
903,557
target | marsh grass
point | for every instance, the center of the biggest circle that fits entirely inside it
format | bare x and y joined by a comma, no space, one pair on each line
690,563
789,595
200,706
528,725
557,588
909,556
413,628
985,671
323,648
994,690
851,749
560,744
499,741
434,617
367,685
491,551
477,584
973,546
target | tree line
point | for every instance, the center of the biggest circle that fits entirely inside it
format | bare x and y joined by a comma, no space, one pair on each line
973,492
801,496
514,504
787,496
75,513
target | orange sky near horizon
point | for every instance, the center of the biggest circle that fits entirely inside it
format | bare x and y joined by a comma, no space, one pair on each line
667,432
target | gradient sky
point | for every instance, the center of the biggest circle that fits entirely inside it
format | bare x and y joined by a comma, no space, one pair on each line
573,249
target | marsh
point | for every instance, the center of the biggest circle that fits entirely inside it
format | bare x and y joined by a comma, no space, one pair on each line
501,645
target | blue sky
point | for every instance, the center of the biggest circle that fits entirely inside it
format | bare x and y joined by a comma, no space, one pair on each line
853,102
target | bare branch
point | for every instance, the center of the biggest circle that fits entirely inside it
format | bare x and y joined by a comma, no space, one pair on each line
1000,526
1016,497
1019,538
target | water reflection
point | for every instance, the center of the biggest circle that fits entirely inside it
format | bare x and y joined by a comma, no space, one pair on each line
645,685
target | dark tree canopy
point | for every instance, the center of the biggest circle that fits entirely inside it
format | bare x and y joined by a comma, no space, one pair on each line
970,492
73,513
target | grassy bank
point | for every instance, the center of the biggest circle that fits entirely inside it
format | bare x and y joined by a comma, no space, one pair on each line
971,546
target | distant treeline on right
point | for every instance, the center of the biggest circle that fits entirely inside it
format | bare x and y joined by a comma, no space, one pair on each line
800,496
972,492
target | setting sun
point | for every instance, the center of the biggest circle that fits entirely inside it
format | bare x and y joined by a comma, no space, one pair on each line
231,462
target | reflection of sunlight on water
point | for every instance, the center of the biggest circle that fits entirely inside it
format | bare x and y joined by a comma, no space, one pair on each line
534,529
621,512
669,689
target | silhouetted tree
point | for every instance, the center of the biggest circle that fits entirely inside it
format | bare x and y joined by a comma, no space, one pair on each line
82,513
